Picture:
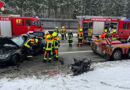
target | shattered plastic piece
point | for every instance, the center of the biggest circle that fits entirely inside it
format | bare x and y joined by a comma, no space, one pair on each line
80,66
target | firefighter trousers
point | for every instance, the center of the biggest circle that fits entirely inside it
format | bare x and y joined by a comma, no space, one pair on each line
80,42
70,43
47,55
55,54
27,52
63,36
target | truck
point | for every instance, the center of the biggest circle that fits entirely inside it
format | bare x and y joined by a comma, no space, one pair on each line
116,51
15,26
97,24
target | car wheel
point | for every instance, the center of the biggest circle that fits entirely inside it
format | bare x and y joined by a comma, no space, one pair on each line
117,55
14,60
128,55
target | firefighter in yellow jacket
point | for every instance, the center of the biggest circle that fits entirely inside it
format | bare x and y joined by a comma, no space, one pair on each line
70,38
57,30
56,44
80,37
48,49
28,47
63,32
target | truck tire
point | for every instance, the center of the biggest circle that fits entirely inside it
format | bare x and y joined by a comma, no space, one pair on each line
14,60
117,55
128,55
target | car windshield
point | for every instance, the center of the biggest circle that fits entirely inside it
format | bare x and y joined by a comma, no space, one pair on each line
18,40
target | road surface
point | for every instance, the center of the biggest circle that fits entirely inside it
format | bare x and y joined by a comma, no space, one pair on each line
37,67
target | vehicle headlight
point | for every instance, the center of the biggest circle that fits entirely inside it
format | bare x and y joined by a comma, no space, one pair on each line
4,56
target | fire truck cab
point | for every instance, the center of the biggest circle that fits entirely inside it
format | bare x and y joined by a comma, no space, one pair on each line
115,51
15,26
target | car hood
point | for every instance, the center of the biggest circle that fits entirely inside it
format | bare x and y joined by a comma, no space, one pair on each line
7,40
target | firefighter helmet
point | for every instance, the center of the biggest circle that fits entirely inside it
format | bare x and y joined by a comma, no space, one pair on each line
54,34
32,40
30,32
63,27
81,30
114,31
48,37
105,30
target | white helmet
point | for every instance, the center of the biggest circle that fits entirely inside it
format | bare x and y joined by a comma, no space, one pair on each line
46,32
30,32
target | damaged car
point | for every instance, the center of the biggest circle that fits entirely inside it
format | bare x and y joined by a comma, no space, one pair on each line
11,51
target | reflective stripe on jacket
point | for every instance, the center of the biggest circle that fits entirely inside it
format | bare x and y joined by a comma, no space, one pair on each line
48,45
62,32
80,35
114,36
56,43
28,43
70,36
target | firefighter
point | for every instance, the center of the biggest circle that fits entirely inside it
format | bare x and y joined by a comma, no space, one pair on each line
114,35
80,37
70,38
89,32
104,34
48,49
57,30
56,44
28,47
62,33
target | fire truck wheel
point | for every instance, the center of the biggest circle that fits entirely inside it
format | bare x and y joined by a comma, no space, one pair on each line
117,55
128,55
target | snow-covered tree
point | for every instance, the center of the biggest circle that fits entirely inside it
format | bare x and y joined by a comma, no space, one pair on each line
67,8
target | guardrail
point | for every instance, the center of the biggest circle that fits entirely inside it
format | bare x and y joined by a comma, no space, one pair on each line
50,24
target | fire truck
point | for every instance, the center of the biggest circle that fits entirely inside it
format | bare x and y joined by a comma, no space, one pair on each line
114,51
15,26
95,25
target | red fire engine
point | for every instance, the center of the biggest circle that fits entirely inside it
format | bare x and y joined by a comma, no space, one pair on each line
14,26
97,24
115,51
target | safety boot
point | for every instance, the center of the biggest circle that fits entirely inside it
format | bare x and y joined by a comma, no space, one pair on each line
50,60
44,60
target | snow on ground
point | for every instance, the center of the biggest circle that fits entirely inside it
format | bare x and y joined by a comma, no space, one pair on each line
108,76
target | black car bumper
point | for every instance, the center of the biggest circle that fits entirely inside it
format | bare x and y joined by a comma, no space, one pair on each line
5,61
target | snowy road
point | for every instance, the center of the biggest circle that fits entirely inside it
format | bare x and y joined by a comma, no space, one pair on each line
108,76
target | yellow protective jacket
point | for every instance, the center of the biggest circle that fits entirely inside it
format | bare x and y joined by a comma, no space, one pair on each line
48,45
80,35
70,36
29,43
62,32
56,43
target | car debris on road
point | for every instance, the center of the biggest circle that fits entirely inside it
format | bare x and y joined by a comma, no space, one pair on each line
80,66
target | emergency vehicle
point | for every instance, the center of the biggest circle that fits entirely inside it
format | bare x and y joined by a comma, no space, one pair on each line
95,25
15,26
114,51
